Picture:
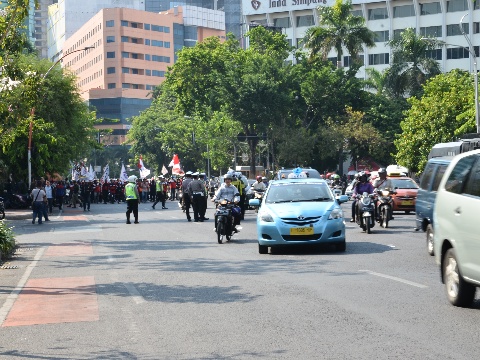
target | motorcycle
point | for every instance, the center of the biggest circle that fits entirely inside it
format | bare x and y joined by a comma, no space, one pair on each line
211,191
384,206
2,209
224,220
258,194
366,212
337,191
17,201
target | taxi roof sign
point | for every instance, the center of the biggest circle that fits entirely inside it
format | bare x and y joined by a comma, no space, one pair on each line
396,170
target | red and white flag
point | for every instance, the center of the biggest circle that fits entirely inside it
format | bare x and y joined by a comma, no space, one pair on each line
144,172
175,165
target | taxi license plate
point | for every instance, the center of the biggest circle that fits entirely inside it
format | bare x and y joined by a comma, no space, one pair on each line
407,202
301,231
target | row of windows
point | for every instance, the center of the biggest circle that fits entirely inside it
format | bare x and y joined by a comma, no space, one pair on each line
128,39
147,57
82,42
131,86
132,24
89,64
88,79
134,71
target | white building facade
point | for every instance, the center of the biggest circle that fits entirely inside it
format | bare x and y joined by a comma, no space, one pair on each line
430,18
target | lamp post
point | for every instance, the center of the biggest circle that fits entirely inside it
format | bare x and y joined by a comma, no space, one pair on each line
475,74
32,114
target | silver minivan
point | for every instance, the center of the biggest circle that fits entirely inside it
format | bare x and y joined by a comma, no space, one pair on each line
456,234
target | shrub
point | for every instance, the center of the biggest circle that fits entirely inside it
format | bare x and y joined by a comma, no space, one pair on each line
7,240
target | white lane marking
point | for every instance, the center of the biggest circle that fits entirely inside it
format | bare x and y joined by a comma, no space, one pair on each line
135,294
395,279
7,305
89,228
110,259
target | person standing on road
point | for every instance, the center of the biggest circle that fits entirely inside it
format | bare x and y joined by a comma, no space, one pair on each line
87,188
196,190
159,193
37,205
49,192
185,196
133,197
60,192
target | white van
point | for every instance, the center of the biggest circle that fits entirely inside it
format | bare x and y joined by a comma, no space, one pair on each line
456,233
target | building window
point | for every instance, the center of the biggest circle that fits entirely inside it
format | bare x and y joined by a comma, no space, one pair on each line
460,53
430,8
166,30
457,5
146,26
476,27
124,38
282,22
149,87
377,14
135,71
157,43
125,54
403,11
125,86
134,40
125,70
305,20
147,41
111,85
166,44
378,59
124,23
148,72
110,39
434,54
159,28
134,25
134,56
398,33
357,13
158,73
454,29
110,23
110,54
431,31
347,60
110,70
147,57
381,36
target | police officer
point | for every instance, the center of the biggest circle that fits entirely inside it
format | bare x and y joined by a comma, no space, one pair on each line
159,193
196,190
239,184
186,197
132,196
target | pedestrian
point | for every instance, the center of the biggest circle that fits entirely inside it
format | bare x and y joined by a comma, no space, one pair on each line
185,197
60,192
37,201
164,190
158,192
173,187
49,192
87,188
133,197
196,190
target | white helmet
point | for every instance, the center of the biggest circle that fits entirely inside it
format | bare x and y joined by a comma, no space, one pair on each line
132,178
238,174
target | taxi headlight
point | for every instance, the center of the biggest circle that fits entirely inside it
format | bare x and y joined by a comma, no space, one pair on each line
336,214
265,216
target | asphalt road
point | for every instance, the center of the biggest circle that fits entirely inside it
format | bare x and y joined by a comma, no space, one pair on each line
89,286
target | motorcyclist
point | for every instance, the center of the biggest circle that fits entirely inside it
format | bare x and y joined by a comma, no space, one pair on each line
360,187
381,183
230,193
259,185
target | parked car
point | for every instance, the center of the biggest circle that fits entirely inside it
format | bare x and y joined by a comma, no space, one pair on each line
405,193
311,173
299,211
427,193
456,240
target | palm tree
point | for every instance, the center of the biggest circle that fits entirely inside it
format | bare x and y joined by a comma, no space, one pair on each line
338,28
376,80
411,66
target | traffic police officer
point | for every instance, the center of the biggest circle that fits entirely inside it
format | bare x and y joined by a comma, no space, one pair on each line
132,196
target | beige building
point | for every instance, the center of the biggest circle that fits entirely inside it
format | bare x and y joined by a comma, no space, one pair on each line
132,52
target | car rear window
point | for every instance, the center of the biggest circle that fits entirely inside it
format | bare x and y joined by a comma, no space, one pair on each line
404,184
427,175
438,176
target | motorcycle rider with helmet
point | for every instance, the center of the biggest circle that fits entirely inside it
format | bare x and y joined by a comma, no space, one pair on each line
230,193
382,183
259,185
360,187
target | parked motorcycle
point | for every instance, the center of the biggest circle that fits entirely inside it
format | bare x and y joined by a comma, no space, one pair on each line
384,206
17,201
366,211
224,221
2,209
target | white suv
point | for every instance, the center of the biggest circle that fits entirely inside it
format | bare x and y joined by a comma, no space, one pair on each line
456,232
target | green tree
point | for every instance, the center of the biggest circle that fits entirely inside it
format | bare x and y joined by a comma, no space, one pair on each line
445,111
411,66
339,28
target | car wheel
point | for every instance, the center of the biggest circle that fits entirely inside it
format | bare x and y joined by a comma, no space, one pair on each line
341,246
459,292
262,249
429,233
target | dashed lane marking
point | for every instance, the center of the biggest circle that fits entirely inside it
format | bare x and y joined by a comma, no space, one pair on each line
395,279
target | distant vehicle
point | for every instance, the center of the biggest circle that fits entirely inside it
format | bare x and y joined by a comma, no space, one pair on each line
311,173
427,193
405,195
299,211
456,230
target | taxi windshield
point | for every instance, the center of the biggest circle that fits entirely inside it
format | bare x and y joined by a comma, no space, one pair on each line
298,192
403,184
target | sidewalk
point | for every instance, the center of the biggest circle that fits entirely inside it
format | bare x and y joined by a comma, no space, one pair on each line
18,214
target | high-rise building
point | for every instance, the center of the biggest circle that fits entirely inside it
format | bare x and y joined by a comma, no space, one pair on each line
28,23
41,20
133,50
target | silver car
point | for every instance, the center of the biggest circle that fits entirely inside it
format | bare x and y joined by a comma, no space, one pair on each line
456,237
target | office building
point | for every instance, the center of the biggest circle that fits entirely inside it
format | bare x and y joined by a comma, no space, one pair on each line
439,19
133,50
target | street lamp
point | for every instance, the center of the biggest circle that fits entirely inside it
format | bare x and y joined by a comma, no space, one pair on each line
475,74
32,114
